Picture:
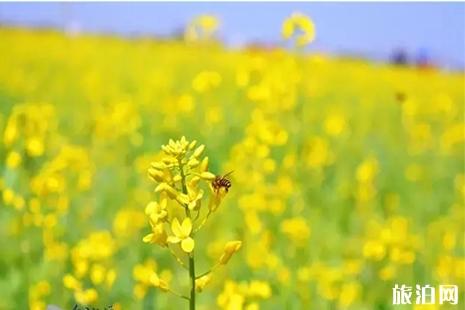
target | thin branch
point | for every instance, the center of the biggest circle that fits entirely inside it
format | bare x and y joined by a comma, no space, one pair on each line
197,215
209,271
178,294
204,221
177,258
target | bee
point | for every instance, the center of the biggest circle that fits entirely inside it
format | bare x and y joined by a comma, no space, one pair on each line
221,181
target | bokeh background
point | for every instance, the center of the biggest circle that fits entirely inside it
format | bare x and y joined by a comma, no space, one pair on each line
347,150
433,30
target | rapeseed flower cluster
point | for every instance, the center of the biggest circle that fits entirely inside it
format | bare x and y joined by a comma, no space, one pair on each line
182,178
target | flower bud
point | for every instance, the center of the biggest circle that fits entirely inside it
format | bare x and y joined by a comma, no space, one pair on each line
201,282
182,198
156,175
164,187
158,165
193,162
207,176
198,151
230,248
204,165
192,144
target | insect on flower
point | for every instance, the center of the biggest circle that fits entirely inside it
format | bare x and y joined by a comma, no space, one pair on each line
221,181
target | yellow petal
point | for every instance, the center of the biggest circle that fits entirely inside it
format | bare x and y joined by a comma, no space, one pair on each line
155,280
150,207
187,245
176,228
186,227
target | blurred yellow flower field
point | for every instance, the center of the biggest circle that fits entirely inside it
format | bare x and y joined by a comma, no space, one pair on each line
348,176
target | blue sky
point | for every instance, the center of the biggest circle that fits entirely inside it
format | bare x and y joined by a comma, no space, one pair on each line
371,29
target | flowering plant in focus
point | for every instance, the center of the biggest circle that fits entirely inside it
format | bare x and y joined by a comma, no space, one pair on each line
180,212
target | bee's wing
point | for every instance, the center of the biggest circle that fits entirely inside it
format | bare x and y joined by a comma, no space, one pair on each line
227,173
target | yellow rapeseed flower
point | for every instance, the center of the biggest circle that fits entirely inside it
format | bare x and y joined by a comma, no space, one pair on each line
13,160
157,236
156,281
300,26
182,234
201,27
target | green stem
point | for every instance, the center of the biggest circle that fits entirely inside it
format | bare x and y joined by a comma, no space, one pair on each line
184,186
192,276
191,256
